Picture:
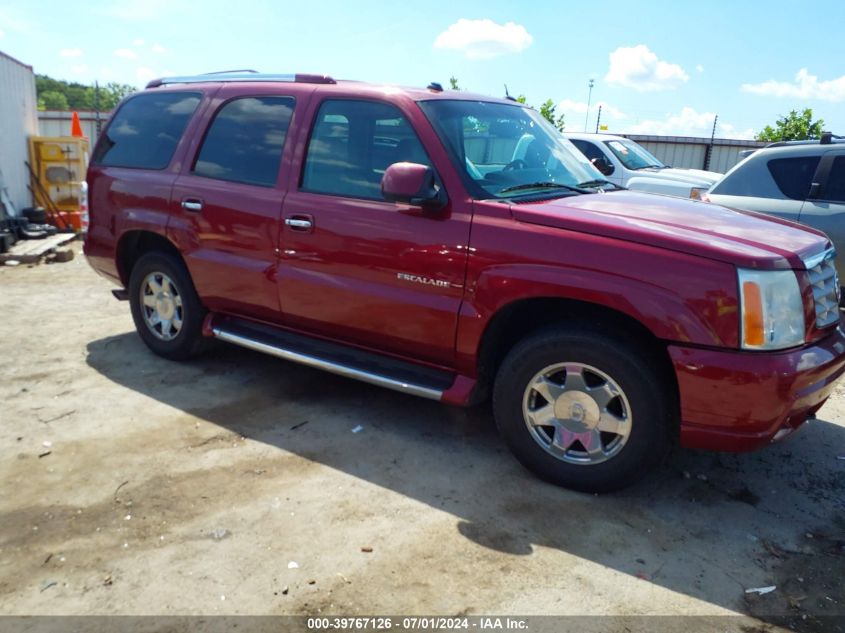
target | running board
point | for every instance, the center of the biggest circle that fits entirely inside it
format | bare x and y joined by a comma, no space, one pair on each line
338,359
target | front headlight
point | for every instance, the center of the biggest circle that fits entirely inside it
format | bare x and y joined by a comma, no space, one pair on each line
771,308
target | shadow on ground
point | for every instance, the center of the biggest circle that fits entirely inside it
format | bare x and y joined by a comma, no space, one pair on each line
706,525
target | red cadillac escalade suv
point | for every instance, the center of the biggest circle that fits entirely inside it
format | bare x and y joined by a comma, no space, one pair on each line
455,247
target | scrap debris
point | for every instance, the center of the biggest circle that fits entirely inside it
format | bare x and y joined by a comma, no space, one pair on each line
761,591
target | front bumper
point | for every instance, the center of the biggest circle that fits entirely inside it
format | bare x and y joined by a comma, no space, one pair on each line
738,401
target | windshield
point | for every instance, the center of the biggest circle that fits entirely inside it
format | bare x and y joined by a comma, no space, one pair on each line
633,156
509,151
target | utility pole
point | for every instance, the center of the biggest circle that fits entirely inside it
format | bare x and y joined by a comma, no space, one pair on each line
589,98
97,107
709,151
598,119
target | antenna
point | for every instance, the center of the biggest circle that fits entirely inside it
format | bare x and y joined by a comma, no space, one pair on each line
507,94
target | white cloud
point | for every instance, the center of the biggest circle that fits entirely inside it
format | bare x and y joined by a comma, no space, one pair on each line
138,42
146,74
568,106
79,69
71,52
638,68
133,10
688,122
484,39
158,48
126,53
2,33
14,21
107,74
699,68
805,86
726,130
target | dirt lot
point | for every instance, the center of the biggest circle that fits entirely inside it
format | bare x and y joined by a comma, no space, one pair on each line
236,484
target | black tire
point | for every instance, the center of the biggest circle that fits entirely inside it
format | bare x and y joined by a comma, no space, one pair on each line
188,341
648,398
36,215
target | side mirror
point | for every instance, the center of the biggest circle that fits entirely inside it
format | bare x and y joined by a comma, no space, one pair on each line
412,183
603,166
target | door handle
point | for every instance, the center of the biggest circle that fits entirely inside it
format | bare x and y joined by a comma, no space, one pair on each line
192,204
299,223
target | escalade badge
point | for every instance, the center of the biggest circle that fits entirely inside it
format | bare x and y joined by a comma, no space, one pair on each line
427,281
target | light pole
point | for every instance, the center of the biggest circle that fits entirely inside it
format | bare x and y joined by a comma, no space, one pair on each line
589,98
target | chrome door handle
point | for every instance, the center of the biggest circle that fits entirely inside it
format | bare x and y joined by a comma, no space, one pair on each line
192,205
298,223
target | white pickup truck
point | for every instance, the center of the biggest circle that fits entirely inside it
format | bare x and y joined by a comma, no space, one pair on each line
624,162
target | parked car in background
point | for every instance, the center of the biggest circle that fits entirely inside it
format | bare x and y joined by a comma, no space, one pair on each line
628,164
800,181
456,247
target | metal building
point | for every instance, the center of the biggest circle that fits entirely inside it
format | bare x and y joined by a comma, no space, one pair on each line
18,120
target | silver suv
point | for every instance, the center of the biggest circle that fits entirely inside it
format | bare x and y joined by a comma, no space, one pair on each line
802,181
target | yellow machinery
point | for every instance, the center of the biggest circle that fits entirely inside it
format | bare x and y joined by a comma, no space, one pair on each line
59,164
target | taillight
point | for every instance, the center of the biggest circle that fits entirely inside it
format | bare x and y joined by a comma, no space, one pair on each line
83,206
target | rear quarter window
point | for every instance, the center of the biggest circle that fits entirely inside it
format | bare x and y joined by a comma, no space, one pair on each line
146,129
835,187
793,176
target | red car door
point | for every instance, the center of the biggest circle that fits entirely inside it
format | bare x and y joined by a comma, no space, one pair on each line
355,267
228,201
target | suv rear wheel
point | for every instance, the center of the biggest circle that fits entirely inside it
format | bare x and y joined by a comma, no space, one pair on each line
167,312
582,410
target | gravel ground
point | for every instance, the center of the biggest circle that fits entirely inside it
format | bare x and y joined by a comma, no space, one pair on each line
237,484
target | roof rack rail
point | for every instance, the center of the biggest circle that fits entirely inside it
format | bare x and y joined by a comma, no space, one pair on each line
226,72
242,75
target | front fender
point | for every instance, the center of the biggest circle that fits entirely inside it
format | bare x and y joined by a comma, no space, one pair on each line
656,292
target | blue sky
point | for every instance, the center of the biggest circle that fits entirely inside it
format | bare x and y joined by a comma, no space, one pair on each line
659,67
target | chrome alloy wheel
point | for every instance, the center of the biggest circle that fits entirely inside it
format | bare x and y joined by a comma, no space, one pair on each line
161,306
577,413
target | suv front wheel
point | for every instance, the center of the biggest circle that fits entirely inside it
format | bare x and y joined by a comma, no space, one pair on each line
581,409
167,312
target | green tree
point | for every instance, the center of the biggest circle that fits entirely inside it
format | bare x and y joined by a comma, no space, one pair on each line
453,82
112,93
56,94
548,111
52,100
793,127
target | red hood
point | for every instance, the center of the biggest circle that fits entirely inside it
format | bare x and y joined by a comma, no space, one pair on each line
746,239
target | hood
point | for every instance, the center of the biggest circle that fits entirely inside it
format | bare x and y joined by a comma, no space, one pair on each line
693,177
742,238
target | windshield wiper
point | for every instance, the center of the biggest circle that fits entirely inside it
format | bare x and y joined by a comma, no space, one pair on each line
651,167
598,183
542,185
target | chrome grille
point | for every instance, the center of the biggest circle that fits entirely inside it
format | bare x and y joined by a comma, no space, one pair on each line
825,284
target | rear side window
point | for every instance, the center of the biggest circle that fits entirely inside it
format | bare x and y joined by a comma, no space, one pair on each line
793,176
834,190
353,143
245,140
588,149
146,130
